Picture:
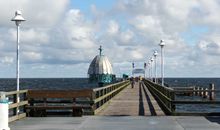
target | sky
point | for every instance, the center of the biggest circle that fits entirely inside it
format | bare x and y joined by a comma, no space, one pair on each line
61,37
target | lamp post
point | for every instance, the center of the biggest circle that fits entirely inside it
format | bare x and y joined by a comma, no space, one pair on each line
149,70
145,66
18,19
162,44
132,69
155,62
151,60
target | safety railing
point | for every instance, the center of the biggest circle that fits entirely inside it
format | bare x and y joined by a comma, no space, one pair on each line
17,109
104,94
164,95
168,101
98,99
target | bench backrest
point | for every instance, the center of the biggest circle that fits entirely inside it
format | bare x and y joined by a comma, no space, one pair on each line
87,93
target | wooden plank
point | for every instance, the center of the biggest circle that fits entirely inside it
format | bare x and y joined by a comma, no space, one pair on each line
59,93
57,107
14,105
15,92
131,102
17,117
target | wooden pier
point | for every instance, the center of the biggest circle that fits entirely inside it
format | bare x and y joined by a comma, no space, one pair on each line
133,102
117,106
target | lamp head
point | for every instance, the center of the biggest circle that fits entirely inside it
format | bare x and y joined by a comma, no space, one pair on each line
18,18
162,43
151,59
155,53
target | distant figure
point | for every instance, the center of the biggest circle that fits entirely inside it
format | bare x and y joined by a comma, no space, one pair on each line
132,82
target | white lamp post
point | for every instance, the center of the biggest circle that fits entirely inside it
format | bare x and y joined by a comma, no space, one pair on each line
149,70
145,66
155,62
162,44
18,19
151,60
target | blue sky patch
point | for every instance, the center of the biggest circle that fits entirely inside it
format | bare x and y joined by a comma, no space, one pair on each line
194,34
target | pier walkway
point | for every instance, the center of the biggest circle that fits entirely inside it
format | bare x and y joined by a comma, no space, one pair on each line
136,101
118,123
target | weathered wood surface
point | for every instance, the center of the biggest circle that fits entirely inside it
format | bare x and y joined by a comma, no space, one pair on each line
59,93
133,102
40,101
118,123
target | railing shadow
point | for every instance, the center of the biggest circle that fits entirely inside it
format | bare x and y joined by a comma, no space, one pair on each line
215,119
151,107
141,104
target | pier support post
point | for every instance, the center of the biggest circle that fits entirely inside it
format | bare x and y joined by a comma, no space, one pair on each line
197,92
194,89
3,112
205,93
211,94
202,92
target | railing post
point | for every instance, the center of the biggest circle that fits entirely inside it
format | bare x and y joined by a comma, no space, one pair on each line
93,104
172,97
15,101
24,98
211,93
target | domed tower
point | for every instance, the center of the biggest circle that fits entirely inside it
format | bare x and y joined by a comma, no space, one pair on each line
100,69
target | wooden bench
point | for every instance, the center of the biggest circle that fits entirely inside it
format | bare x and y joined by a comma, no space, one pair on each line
42,101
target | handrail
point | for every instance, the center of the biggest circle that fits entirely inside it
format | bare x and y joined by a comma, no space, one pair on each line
166,98
164,95
104,94
14,105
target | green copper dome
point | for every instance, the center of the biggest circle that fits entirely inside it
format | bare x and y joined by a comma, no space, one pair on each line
100,69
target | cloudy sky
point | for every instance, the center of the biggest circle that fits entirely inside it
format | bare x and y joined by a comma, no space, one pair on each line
61,37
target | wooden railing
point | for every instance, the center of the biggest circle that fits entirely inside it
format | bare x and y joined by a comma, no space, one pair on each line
164,95
14,114
167,100
93,100
103,95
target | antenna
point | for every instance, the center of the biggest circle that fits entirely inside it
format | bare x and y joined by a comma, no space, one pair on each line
100,50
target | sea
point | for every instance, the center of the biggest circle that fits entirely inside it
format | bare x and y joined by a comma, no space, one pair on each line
9,84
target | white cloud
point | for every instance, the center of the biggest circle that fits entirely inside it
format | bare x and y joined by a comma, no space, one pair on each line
79,32
37,13
54,34
31,35
7,60
113,27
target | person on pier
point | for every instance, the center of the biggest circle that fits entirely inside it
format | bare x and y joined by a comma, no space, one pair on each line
132,82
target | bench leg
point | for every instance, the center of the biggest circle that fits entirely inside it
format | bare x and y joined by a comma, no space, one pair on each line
77,112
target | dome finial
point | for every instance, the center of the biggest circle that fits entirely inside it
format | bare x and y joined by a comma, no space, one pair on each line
100,50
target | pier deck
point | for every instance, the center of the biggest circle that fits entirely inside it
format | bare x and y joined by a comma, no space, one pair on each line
118,122
133,102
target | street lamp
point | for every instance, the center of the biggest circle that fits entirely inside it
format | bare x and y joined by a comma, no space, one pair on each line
155,62
18,19
162,44
149,70
145,66
151,60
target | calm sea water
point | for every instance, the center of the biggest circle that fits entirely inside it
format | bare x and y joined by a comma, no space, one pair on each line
82,83
199,82
47,83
